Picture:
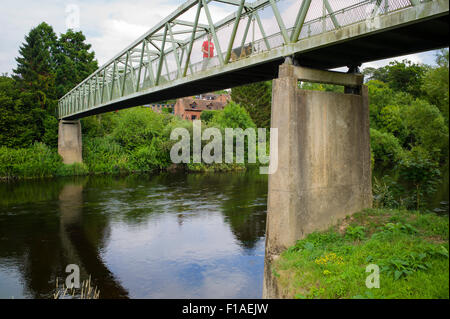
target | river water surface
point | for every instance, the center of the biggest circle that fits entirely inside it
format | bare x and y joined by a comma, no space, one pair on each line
161,236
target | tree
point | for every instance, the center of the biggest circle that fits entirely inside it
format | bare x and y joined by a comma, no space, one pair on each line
17,125
377,74
427,129
35,79
385,148
421,171
47,67
232,116
435,84
256,98
74,62
392,121
35,72
207,115
402,76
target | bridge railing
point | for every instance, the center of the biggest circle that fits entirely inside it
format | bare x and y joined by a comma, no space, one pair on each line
161,56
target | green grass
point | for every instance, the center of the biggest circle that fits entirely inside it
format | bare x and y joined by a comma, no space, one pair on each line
410,248
36,161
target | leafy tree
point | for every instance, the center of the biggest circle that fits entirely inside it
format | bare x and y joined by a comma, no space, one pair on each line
427,128
380,95
376,74
435,84
232,116
385,148
403,76
137,126
167,110
392,121
50,136
74,62
421,171
17,124
256,98
207,115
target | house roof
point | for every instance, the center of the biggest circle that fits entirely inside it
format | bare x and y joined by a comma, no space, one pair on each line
195,104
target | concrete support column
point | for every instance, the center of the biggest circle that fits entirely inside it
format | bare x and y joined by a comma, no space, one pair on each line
69,141
324,168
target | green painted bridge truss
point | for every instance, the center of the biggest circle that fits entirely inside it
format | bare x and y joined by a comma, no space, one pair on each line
169,54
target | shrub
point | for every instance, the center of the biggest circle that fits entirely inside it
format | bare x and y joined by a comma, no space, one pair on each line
138,126
385,147
104,155
418,168
149,157
207,115
428,128
36,161
232,116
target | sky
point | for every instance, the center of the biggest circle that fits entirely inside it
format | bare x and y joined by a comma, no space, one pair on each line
111,25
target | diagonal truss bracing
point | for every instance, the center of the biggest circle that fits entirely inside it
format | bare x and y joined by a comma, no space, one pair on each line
166,52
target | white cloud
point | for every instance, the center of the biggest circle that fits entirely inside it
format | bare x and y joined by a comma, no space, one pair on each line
111,25
419,58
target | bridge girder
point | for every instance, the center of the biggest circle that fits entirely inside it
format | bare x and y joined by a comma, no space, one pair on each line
141,71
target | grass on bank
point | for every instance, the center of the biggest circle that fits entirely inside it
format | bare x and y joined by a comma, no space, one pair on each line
36,161
136,140
410,248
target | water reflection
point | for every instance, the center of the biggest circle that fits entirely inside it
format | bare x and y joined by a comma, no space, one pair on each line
164,236
77,246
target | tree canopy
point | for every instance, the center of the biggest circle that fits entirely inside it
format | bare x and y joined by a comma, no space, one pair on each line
48,66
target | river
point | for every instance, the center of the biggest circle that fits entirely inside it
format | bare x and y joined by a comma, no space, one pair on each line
170,235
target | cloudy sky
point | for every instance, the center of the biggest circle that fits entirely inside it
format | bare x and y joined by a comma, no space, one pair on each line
109,25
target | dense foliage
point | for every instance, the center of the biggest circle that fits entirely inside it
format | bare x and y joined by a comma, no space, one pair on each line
256,98
47,68
409,131
138,139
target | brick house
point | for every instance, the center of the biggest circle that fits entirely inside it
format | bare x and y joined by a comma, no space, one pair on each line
190,108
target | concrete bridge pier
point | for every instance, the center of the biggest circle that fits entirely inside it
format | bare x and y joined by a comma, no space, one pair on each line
324,168
69,141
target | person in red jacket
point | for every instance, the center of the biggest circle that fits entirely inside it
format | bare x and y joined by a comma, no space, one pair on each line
208,51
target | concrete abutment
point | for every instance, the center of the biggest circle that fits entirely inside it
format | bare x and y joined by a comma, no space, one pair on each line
69,141
324,163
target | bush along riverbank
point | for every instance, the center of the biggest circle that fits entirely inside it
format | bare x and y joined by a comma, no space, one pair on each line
35,162
410,249
130,141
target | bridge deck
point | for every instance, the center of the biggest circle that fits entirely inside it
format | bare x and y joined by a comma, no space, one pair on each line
408,27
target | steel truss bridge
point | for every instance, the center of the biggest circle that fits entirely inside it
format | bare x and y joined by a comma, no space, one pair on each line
166,62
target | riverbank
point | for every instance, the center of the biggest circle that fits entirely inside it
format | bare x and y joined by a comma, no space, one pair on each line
410,248
130,141
40,161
